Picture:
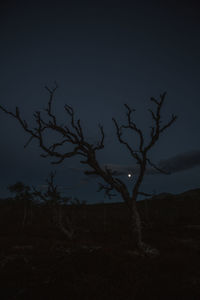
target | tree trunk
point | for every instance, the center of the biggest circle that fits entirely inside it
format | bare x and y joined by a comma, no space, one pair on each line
136,232
136,228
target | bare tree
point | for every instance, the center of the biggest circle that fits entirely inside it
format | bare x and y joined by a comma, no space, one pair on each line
73,134
53,199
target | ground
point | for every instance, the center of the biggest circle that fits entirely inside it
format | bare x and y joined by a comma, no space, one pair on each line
38,262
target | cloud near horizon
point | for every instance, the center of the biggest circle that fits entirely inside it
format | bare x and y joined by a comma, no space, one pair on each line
175,164
178,163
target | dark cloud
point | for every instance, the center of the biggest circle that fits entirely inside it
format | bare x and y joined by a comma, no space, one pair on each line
178,163
181,162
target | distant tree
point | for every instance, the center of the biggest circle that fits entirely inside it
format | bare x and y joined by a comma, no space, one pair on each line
23,197
53,199
74,135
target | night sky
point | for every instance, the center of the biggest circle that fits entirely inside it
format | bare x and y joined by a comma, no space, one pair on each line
101,54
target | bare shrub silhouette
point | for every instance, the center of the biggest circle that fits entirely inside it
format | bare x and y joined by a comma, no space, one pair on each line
52,199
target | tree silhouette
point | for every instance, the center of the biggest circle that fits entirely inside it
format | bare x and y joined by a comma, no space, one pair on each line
24,197
53,199
74,135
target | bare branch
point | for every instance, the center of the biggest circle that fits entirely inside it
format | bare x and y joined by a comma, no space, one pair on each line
156,167
100,144
156,129
52,192
49,107
87,172
39,194
72,136
28,142
133,126
52,188
133,153
173,119
70,112
107,189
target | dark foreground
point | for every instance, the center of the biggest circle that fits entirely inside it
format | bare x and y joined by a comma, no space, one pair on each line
38,262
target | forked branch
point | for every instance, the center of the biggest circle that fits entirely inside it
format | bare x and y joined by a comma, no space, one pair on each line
71,135
139,153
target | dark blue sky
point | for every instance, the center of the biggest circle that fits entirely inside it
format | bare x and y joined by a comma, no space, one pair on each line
102,54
